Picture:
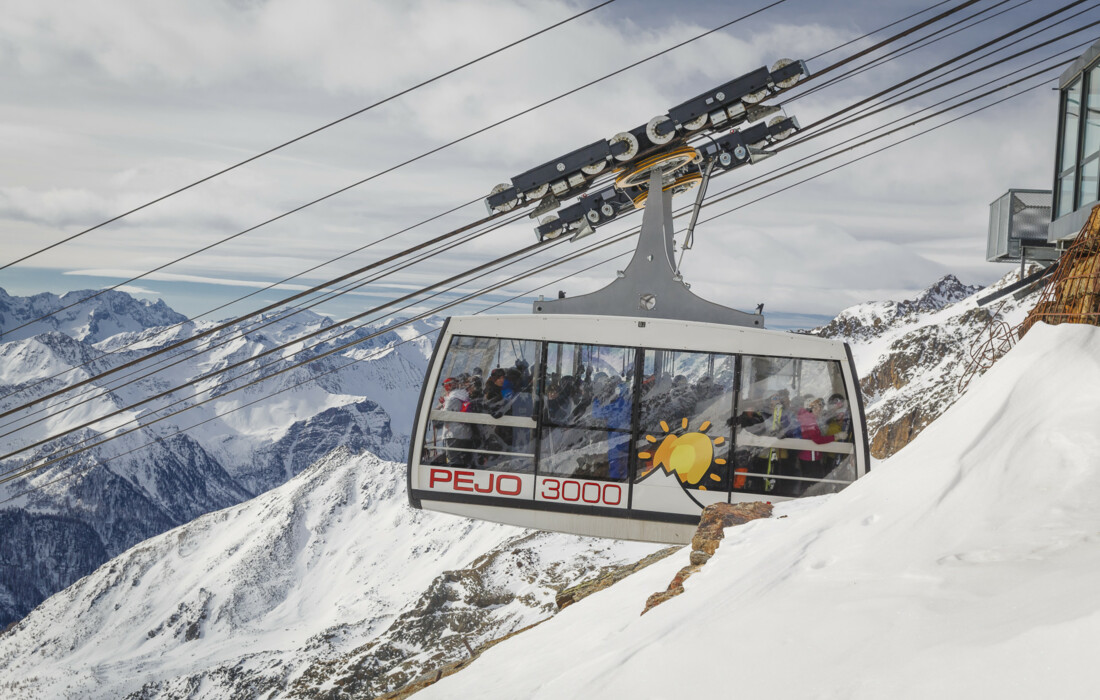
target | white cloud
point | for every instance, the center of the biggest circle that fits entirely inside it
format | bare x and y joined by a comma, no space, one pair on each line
138,291
141,103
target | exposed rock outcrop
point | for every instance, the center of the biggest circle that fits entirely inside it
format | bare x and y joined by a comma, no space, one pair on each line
712,529
583,590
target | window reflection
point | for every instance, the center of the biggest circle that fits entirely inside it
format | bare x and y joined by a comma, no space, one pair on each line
1067,158
483,406
685,417
584,454
587,411
794,425
787,431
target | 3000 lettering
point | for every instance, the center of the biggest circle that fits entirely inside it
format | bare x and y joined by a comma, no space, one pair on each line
582,491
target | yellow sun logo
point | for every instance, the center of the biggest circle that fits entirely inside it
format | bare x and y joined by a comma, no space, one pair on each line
689,455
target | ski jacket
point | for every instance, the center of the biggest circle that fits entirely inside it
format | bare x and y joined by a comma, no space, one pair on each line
457,400
807,423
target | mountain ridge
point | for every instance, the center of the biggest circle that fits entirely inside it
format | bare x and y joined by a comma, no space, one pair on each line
236,445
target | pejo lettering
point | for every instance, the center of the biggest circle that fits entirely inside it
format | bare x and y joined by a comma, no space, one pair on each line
475,481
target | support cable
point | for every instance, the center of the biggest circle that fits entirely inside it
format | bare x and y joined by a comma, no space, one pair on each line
948,62
765,181
15,409
912,46
311,133
74,471
414,159
19,472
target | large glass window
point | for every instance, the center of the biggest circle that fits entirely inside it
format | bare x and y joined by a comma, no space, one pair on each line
794,428
1067,154
1090,152
683,428
587,411
483,406
685,420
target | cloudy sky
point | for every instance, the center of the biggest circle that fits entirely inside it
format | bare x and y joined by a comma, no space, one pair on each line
108,105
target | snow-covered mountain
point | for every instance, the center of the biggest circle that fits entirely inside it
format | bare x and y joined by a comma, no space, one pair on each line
236,445
327,586
963,567
91,321
910,355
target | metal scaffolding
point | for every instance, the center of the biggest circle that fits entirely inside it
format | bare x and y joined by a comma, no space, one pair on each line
1072,294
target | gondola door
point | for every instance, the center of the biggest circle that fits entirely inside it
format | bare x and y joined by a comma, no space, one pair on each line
683,434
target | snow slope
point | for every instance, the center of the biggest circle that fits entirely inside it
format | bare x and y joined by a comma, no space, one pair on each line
107,314
966,566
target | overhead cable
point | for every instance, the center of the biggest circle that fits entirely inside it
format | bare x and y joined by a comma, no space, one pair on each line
164,349
310,133
412,160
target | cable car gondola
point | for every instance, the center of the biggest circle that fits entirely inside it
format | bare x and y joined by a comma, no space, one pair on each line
624,412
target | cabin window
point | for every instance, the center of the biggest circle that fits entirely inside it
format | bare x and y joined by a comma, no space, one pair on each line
586,411
686,407
483,406
794,428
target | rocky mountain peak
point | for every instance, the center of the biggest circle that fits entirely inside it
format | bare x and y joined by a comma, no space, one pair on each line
873,319
91,321
946,291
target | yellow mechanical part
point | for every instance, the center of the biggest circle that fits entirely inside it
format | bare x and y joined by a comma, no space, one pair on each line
678,186
670,161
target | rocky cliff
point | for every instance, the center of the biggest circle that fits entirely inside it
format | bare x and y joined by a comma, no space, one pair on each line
911,354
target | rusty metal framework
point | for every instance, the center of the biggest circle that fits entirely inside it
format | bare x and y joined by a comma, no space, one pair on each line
1072,294
995,341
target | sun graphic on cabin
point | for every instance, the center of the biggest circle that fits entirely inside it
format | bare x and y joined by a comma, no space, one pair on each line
689,455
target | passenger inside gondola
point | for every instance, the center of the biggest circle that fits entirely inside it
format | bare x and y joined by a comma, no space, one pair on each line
773,453
811,426
456,435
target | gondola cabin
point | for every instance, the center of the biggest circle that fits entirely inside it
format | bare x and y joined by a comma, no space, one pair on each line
622,428
624,412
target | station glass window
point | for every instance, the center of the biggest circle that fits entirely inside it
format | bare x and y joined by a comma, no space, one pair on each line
483,405
793,428
1090,150
587,411
1067,154
685,417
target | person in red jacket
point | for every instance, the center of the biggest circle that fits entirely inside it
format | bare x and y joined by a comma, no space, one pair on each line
810,423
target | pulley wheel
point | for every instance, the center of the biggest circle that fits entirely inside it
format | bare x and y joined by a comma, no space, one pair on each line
630,140
548,220
507,206
696,123
684,183
595,168
755,97
537,193
786,82
651,131
669,162
782,134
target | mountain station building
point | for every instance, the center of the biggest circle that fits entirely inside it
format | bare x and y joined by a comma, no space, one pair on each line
1036,225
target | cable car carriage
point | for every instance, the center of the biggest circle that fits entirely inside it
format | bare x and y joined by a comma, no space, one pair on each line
624,412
